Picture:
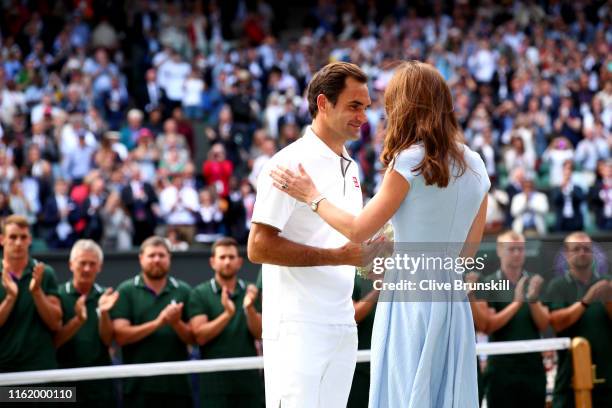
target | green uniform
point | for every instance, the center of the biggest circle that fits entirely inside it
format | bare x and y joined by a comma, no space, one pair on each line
360,387
596,326
139,304
516,380
235,388
85,348
26,343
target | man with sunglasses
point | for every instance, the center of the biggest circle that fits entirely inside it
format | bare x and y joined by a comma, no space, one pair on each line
581,306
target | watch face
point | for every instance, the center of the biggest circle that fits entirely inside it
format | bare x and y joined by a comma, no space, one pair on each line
314,206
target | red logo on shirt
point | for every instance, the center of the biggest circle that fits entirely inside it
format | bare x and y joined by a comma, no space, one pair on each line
355,181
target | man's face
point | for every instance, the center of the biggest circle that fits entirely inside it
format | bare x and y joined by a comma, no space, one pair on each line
155,262
226,261
85,267
16,241
511,254
348,114
579,253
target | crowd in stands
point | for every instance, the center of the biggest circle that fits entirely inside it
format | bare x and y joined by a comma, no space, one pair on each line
118,122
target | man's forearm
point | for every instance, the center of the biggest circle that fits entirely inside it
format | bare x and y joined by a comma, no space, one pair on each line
184,332
67,331
49,312
280,251
563,318
6,307
211,329
105,328
540,315
253,321
499,320
132,334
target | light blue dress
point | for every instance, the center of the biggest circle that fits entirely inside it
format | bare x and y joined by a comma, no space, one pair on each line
423,352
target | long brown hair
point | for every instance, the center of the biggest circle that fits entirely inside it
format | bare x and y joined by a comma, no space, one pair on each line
419,108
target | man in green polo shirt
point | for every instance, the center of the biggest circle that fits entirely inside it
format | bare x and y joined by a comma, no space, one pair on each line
30,309
581,305
225,324
87,332
517,380
150,324
364,299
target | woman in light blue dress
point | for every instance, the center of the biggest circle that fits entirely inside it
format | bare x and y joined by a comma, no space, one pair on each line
434,191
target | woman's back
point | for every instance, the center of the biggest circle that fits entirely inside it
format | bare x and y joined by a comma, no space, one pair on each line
433,214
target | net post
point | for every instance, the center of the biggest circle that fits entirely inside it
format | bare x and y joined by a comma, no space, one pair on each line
582,380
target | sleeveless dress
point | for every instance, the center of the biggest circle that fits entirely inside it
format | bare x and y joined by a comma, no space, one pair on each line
424,348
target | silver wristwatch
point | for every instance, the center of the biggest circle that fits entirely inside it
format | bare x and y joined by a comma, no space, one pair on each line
314,204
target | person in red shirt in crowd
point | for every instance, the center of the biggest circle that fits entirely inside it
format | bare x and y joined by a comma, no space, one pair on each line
217,169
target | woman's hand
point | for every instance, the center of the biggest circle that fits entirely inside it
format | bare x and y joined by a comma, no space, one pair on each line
298,186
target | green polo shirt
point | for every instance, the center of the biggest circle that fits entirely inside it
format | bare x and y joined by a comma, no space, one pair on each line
361,380
139,304
520,327
85,348
25,341
595,325
234,341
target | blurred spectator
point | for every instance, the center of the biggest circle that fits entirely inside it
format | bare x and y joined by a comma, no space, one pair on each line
60,214
179,205
590,150
268,149
141,202
567,200
91,210
217,170
130,132
192,96
517,156
210,223
559,151
19,203
118,226
600,197
146,154
529,208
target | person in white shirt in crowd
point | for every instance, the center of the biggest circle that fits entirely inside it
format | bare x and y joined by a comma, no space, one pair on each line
179,205
590,150
482,62
210,219
516,155
171,77
192,95
529,209
559,150
45,107
268,149
78,161
69,136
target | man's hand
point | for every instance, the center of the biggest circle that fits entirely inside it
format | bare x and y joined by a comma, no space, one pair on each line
80,308
363,254
107,300
534,287
227,303
598,291
11,288
250,297
519,291
37,277
173,313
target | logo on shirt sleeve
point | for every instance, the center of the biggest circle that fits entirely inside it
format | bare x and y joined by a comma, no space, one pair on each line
356,182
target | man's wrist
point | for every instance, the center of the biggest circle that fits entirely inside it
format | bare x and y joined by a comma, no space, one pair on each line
585,303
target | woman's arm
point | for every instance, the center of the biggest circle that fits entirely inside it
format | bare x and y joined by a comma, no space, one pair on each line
356,228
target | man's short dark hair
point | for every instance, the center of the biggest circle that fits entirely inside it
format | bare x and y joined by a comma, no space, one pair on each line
224,242
330,81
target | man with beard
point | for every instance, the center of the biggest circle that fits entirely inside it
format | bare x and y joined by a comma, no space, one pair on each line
151,325
223,329
581,306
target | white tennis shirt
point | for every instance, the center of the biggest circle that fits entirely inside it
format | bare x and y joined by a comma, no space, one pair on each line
319,294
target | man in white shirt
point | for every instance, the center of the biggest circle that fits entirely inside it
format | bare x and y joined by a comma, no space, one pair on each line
309,330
